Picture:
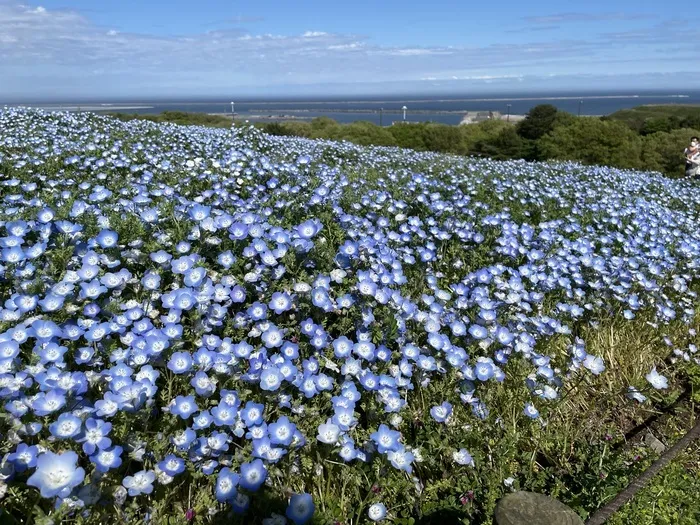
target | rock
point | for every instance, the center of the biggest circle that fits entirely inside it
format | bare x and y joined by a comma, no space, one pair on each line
529,508
654,444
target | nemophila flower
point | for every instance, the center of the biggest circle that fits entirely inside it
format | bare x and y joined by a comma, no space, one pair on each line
252,414
442,412
203,384
226,485
328,433
24,457
95,435
56,474
635,394
401,459
594,364
478,331
107,459
253,475
139,483
184,406
376,512
107,238
386,439
484,370
530,411
301,508
67,426
656,380
281,432
462,457
280,302
172,465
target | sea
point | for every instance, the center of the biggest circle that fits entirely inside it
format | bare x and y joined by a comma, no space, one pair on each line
385,110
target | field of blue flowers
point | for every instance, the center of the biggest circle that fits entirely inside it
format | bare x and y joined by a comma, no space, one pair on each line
219,326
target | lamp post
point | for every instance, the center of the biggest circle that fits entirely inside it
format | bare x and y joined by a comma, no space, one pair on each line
233,111
508,112
404,113
580,103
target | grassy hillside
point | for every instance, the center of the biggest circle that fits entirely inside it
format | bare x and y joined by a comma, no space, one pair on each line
627,139
654,118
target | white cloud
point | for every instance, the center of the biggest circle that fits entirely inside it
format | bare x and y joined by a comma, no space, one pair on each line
65,50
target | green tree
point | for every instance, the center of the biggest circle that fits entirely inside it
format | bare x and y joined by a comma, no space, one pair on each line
654,125
593,141
507,144
664,151
538,122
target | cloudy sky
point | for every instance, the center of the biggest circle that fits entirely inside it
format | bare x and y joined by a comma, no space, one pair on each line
119,49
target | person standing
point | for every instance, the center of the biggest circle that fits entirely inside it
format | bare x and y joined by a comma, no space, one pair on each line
692,158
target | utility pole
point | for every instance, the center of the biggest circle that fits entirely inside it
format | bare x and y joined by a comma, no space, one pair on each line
233,112
404,113
580,103
508,112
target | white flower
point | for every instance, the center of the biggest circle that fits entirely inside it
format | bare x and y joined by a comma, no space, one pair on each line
395,420
302,287
657,380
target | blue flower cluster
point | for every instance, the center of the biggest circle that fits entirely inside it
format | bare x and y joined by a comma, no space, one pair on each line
239,288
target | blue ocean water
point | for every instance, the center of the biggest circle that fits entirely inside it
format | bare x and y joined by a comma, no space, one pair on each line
444,109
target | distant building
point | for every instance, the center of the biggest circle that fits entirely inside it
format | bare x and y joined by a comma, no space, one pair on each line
473,117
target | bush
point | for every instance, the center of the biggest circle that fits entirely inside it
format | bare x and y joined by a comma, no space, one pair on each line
593,141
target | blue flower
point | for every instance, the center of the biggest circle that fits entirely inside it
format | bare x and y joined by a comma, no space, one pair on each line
107,459
270,379
281,432
401,459
56,474
442,412
107,238
226,485
184,406
328,433
301,508
376,512
66,426
140,483
253,475
24,457
172,465
95,435
386,439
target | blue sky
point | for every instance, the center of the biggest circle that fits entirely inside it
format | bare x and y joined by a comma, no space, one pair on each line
113,49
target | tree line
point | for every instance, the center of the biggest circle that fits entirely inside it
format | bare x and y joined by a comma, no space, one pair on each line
627,140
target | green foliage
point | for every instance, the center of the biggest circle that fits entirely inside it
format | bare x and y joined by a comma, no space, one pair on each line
539,121
664,151
594,141
507,144
654,118
545,133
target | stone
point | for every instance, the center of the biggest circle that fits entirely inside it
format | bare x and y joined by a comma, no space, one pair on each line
529,508
654,444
